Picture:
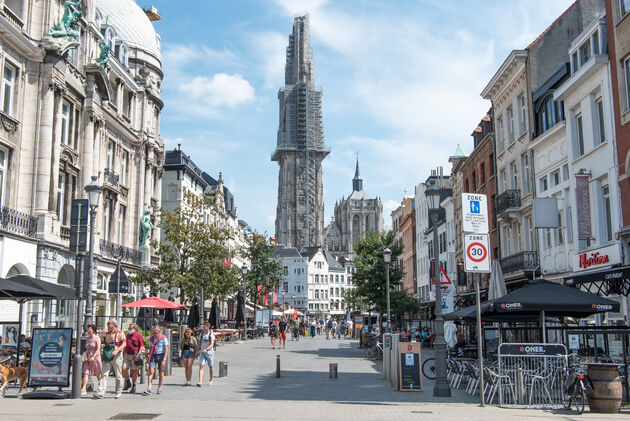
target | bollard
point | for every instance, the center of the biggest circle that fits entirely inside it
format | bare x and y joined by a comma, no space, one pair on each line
387,348
169,359
142,371
332,370
278,366
393,372
223,368
77,378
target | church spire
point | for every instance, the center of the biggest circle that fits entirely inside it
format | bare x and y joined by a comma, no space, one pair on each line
357,181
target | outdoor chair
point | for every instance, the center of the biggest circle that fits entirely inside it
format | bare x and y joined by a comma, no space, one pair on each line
473,378
540,383
495,382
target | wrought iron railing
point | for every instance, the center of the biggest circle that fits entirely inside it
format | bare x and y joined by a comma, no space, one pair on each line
111,177
508,199
17,222
115,251
155,260
526,261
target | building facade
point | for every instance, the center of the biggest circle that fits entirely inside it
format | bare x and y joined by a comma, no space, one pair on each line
300,147
78,101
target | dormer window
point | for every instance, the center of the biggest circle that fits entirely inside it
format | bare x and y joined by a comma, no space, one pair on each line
110,38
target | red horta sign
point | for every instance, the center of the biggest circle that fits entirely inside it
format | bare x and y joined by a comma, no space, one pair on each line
594,259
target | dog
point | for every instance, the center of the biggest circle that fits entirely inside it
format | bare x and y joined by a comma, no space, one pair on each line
11,373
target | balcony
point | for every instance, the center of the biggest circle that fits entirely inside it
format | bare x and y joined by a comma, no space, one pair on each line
65,233
111,177
525,261
115,251
17,222
13,18
509,199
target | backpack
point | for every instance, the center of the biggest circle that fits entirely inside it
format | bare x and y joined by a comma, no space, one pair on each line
329,324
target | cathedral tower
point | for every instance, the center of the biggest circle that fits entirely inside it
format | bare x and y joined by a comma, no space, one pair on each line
300,149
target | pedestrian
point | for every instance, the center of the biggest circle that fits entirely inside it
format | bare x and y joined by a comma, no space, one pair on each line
333,327
349,325
132,357
328,328
188,353
205,350
273,334
92,364
319,327
114,344
313,328
158,349
282,334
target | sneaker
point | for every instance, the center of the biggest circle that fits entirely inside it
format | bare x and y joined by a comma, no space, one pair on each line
118,395
210,383
133,389
97,396
147,392
198,384
159,391
127,385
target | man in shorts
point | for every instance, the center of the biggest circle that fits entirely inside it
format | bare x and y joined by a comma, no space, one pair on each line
158,349
131,357
206,352
282,334
273,334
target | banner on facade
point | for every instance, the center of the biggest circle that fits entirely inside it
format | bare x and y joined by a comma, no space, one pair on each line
583,206
50,358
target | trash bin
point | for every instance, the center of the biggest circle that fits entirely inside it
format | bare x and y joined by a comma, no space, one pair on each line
223,368
332,370
607,388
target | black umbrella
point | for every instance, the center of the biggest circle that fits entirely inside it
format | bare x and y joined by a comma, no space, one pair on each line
240,309
215,317
24,287
193,314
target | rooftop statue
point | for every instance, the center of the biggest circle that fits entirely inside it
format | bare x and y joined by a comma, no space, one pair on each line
67,27
103,57
144,232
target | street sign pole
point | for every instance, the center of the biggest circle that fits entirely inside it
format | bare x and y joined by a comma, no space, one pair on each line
479,340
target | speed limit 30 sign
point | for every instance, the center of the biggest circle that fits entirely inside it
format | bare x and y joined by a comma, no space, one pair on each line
477,253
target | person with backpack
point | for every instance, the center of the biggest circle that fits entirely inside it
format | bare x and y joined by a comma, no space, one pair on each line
132,357
273,334
205,350
113,345
158,349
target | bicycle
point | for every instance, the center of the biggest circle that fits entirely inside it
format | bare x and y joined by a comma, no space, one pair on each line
577,386
428,368
375,352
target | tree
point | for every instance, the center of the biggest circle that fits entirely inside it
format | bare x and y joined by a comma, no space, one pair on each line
265,270
369,275
402,302
193,252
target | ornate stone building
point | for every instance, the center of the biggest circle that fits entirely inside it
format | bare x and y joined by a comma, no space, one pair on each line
81,98
354,218
300,149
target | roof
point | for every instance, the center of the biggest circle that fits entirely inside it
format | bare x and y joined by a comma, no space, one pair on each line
279,250
552,24
332,262
359,195
131,24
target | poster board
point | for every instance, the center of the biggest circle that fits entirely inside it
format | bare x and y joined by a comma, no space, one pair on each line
409,367
10,334
50,358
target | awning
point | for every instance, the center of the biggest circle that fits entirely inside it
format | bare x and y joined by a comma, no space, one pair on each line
602,282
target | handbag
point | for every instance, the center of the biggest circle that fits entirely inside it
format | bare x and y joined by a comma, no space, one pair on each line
108,350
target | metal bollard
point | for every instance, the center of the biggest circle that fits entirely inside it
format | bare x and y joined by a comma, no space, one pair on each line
223,368
387,352
393,372
332,370
77,365
169,359
142,372
278,366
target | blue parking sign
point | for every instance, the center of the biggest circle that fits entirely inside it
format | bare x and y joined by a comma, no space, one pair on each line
474,206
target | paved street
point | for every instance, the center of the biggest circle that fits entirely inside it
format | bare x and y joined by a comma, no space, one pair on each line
304,392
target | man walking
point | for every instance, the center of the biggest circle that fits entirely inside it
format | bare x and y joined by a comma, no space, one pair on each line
282,334
158,349
349,328
205,351
131,357
313,327
114,344
328,327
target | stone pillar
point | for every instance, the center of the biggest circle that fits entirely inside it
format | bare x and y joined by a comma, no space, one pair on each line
56,152
44,149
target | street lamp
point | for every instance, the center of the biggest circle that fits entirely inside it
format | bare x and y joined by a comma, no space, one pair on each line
387,257
244,270
441,387
282,307
93,190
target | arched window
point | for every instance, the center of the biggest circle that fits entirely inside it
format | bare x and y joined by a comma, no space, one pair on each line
123,55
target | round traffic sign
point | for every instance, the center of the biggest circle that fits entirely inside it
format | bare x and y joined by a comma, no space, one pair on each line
476,252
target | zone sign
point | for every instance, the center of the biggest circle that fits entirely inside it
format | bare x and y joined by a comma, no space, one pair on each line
477,253
475,213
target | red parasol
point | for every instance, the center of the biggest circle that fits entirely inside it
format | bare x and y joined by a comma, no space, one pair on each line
153,302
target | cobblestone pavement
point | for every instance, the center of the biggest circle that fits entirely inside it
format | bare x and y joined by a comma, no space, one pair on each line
304,392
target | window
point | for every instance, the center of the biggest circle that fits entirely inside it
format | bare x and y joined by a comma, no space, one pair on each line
626,66
123,168
574,63
500,146
60,197
3,170
106,219
569,225
122,213
584,52
286,270
503,180
595,42
559,233
65,122
565,172
491,160
342,281
600,121
555,178
606,217
543,184
8,88
528,233
474,181
548,113
522,114
579,138
624,6
547,239
527,185
127,104
110,156
513,175
510,123
482,174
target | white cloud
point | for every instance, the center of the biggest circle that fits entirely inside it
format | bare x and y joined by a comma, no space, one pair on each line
293,7
270,51
388,207
221,89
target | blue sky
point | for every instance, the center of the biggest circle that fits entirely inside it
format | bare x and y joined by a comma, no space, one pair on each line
401,82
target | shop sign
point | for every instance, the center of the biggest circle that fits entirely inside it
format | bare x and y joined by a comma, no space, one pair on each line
592,259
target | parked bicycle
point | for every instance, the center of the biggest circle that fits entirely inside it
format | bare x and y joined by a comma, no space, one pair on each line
428,368
577,385
374,352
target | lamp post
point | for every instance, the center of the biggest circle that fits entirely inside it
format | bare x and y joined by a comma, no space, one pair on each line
282,307
387,257
244,270
441,387
93,190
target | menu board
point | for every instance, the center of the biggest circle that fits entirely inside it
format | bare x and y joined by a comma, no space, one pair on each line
50,357
409,374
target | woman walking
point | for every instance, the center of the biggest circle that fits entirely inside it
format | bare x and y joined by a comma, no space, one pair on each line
188,353
92,365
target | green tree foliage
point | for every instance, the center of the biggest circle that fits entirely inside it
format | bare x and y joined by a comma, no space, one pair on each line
369,275
193,253
264,269
401,303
